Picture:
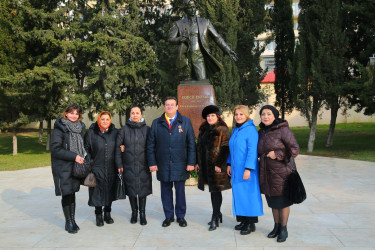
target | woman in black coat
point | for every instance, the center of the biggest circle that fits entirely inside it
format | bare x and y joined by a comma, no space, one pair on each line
132,162
212,154
67,147
100,143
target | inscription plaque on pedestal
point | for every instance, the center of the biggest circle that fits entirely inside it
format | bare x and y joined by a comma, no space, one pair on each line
193,96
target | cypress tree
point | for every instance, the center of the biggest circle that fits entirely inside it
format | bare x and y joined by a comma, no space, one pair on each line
359,24
318,62
282,20
223,16
252,19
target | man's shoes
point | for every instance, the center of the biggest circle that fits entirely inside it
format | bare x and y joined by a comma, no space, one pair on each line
182,222
167,222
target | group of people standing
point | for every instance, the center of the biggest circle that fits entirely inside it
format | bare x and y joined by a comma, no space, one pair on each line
250,162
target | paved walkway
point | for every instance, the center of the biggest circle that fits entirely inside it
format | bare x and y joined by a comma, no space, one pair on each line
339,213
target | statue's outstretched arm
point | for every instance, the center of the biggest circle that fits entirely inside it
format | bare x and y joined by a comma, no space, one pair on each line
220,41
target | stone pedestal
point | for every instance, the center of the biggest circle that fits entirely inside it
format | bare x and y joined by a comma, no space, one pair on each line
193,96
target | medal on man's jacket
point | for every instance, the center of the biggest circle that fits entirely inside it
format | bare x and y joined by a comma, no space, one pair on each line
180,129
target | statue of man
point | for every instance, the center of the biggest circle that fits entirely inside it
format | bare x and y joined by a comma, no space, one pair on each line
191,34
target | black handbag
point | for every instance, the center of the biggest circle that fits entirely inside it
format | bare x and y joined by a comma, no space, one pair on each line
294,189
81,170
120,187
90,180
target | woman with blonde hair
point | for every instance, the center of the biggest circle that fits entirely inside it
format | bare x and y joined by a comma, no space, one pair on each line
67,147
100,143
243,168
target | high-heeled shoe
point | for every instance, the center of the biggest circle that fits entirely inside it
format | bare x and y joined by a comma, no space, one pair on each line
220,216
214,223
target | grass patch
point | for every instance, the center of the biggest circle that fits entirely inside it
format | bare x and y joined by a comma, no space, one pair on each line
351,141
31,154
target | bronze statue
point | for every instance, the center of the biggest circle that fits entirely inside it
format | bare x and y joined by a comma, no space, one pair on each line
194,56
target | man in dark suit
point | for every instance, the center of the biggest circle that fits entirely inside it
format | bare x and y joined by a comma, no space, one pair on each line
171,152
191,34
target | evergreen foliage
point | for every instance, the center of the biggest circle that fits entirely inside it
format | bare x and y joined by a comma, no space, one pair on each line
283,23
359,24
318,65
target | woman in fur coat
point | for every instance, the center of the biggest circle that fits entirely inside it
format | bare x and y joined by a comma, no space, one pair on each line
212,153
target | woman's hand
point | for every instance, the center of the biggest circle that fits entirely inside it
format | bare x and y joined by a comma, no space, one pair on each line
120,170
246,174
217,169
229,172
122,147
272,155
196,168
79,159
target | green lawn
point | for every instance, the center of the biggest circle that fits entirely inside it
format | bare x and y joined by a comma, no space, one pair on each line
351,141
30,153
354,141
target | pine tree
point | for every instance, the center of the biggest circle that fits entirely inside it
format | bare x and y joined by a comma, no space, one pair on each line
39,48
282,20
111,63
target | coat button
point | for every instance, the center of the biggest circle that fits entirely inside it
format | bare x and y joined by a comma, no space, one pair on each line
171,162
170,133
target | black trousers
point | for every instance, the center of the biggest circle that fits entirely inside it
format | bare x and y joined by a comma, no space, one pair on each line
99,210
216,200
248,219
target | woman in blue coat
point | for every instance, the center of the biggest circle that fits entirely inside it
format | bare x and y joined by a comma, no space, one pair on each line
243,168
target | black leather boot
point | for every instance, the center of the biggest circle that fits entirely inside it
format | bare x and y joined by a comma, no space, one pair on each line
107,218
142,210
99,220
69,226
247,228
214,223
239,226
275,231
73,214
283,234
134,206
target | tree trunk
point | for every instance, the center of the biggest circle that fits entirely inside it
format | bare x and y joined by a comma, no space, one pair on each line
40,132
49,126
127,112
332,125
120,118
15,141
314,121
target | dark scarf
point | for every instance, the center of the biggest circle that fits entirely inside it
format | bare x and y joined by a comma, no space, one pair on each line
75,138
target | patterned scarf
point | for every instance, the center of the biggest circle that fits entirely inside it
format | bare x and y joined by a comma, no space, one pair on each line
76,140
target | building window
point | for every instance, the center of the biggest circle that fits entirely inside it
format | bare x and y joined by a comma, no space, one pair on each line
269,63
271,46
